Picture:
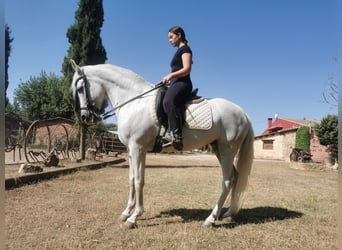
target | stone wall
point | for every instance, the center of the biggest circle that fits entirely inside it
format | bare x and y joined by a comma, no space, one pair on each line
283,143
282,146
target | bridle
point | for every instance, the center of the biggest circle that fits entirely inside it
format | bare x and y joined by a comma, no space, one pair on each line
91,108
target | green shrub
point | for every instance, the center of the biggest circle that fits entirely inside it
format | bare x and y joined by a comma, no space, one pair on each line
303,139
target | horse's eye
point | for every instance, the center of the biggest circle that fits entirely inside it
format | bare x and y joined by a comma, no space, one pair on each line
80,89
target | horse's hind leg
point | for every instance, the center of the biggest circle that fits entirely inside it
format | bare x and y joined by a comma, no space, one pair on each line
225,158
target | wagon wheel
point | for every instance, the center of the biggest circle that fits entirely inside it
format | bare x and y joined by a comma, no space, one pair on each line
11,142
30,131
294,156
9,148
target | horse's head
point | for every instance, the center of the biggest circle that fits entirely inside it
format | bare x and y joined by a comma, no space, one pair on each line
89,97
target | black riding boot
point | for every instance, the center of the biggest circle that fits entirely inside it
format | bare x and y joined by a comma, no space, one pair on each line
175,127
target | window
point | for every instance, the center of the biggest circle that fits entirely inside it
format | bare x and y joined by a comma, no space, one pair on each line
267,144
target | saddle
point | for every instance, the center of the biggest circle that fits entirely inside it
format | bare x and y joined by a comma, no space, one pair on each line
161,115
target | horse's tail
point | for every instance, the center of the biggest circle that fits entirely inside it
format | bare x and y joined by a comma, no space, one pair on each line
243,169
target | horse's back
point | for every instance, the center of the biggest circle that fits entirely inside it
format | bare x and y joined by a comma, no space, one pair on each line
230,116
224,108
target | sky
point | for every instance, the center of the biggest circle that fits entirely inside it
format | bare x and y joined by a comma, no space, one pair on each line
269,57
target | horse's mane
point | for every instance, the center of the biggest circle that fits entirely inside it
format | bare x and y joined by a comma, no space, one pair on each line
113,72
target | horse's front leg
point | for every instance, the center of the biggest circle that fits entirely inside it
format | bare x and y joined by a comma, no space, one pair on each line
131,196
137,159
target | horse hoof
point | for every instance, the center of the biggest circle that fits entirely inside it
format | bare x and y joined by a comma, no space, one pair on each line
208,224
226,215
130,225
123,218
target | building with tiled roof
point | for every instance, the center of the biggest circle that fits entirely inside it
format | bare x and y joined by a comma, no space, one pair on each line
278,140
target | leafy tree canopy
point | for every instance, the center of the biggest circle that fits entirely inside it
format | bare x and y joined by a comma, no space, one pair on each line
42,98
327,132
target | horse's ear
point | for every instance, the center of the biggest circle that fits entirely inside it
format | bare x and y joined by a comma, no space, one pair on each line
76,67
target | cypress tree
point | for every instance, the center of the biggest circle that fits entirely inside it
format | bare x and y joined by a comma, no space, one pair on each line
85,48
8,48
84,37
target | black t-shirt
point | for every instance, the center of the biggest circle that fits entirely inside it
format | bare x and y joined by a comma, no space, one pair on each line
177,63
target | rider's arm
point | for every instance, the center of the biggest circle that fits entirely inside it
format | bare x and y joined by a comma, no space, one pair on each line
187,61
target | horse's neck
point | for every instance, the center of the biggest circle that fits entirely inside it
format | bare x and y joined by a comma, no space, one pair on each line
120,84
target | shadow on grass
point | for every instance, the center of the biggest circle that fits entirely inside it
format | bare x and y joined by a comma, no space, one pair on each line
171,166
256,215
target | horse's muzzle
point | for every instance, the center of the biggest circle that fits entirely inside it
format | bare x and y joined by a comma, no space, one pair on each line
86,117
90,118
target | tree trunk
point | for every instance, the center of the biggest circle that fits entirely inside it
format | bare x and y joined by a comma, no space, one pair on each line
83,140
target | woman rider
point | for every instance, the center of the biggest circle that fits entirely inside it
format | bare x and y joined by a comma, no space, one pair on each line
180,85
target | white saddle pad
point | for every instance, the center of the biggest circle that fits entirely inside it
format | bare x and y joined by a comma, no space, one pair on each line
198,116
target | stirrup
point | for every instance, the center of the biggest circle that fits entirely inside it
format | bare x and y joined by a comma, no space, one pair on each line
172,140
167,139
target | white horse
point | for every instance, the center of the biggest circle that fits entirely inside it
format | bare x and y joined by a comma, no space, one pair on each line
231,134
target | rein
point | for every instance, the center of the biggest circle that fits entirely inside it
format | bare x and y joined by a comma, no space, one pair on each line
111,112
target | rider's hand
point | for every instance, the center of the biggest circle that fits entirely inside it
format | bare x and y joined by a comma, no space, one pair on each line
167,79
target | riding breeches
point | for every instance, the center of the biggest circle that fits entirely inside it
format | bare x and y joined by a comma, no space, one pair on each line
175,96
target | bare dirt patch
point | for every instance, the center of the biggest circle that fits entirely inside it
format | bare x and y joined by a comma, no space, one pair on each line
285,209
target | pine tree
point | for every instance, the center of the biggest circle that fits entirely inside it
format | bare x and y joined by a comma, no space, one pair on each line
86,47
